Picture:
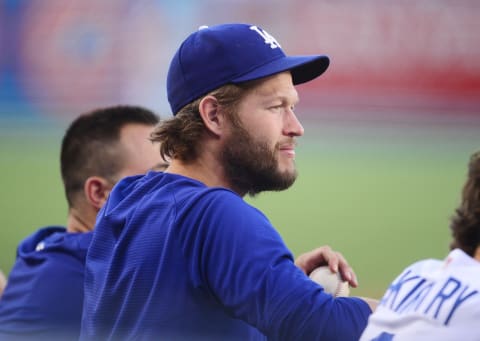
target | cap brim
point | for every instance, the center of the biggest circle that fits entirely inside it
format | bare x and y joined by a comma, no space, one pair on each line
303,68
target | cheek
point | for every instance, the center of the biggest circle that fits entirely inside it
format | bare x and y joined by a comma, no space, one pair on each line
265,137
272,137
267,130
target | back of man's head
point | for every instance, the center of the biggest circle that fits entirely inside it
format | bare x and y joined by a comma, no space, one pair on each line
91,145
465,224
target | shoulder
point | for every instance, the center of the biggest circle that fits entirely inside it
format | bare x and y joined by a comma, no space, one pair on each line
56,245
29,246
224,208
66,243
424,265
219,214
48,277
31,242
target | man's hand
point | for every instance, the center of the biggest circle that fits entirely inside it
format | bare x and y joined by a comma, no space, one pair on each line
324,255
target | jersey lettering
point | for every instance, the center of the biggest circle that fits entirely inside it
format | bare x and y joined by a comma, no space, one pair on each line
414,299
267,37
395,288
460,299
437,300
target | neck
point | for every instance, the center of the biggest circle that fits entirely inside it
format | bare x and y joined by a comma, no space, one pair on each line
198,171
206,169
78,222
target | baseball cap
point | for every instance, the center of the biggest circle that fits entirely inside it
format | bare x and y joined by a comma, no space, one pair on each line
232,53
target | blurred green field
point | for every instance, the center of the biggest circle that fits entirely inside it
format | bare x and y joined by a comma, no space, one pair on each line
380,194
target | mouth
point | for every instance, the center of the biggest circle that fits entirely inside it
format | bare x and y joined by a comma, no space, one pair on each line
288,150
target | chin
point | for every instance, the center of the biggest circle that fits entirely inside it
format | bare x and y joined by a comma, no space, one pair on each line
288,170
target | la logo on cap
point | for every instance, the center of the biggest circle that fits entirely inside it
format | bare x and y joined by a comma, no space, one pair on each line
269,39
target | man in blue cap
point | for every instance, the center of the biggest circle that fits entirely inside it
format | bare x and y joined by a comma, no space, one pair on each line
180,255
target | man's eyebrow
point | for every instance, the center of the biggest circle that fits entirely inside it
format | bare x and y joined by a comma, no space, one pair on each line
282,98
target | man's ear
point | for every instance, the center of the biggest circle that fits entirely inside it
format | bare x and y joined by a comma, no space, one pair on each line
97,190
212,117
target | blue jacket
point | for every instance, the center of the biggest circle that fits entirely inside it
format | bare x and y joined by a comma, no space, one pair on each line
172,259
44,295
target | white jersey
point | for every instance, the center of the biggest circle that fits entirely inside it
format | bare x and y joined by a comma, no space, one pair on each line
430,300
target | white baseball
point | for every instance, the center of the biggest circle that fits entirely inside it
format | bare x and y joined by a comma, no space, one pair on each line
331,282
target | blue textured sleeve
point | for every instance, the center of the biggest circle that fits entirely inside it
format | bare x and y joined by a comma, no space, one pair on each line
241,260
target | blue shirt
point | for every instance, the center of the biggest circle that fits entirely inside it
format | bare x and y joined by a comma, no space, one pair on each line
44,295
174,259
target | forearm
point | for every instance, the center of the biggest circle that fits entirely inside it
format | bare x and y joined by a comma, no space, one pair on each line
299,309
339,319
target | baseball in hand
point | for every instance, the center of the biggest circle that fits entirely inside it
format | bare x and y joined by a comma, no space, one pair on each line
331,282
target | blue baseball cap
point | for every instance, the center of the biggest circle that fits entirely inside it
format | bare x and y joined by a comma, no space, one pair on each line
232,53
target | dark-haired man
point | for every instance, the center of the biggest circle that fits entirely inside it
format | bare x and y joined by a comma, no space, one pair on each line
44,295
435,299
